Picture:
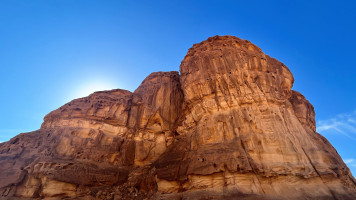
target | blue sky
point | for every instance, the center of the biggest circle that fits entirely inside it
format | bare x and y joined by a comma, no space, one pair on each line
58,50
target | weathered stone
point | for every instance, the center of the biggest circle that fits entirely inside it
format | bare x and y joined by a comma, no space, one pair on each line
229,126
246,131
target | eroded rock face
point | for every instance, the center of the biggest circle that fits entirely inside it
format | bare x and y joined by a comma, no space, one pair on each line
229,126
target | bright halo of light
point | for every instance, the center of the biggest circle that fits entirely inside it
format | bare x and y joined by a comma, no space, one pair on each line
85,89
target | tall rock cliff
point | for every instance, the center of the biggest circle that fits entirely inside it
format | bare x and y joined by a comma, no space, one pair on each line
229,126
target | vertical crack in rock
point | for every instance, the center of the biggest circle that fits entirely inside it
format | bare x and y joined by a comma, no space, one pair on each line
311,163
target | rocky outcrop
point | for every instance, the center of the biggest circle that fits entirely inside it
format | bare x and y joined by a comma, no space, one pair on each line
229,126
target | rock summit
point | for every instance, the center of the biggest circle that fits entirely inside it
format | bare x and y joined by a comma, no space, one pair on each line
228,126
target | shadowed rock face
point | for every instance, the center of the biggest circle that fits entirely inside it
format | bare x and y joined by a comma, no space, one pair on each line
229,126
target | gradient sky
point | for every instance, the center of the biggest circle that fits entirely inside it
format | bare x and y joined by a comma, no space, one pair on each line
54,51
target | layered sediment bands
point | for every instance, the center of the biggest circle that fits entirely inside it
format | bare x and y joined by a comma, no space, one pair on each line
229,126
95,143
148,117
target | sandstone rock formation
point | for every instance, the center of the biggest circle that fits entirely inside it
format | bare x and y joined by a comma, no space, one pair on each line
229,126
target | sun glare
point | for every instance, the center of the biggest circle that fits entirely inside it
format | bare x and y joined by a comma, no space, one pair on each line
86,89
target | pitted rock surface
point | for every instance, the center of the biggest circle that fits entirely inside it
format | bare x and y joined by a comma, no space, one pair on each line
228,126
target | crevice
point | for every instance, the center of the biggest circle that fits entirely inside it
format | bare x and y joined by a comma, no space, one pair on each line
310,161
253,170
